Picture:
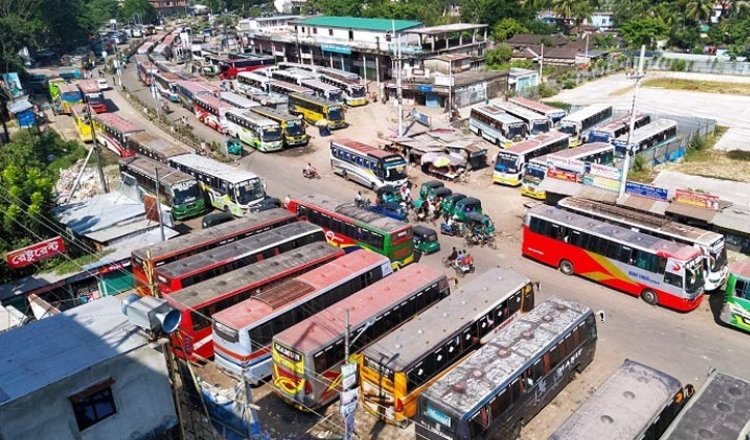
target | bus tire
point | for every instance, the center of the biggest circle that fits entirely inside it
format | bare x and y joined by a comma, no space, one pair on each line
650,297
566,267
345,175
373,187
225,209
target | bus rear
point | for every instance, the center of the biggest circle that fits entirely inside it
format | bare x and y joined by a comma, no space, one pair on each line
509,166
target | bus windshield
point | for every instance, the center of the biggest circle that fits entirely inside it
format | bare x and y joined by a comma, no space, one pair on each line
395,171
534,173
294,128
357,91
515,131
334,114
693,277
506,162
539,127
718,255
568,129
249,191
185,192
271,134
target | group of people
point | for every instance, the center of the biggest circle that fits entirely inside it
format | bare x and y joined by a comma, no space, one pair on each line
461,258
432,210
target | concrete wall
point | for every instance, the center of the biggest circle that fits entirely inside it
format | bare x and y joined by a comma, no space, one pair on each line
341,36
143,399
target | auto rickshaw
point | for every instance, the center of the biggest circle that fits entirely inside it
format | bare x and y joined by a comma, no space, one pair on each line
428,189
476,221
234,146
465,206
388,194
450,201
389,209
431,193
425,240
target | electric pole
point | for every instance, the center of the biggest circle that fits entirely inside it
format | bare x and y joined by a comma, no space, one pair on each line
158,203
105,187
628,149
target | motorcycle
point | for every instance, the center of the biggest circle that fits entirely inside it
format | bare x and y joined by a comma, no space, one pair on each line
462,269
311,174
362,203
453,230
481,239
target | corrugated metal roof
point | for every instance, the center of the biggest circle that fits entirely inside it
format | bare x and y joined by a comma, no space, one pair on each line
734,218
644,204
84,336
705,214
97,213
366,24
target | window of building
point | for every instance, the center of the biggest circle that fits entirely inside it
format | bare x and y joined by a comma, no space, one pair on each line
315,30
93,404
330,32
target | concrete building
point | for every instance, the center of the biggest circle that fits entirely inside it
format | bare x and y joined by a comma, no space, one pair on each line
436,91
167,7
86,374
521,79
602,20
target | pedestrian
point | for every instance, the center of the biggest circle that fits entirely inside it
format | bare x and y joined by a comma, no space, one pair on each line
431,211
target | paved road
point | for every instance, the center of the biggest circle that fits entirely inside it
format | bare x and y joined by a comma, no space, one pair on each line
685,345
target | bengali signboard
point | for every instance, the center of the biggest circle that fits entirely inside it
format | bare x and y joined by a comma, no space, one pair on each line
336,48
35,253
577,166
568,176
648,191
601,182
420,117
697,199
604,171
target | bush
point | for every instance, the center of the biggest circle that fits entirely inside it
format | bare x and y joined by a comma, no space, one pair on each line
639,163
569,84
678,65
547,91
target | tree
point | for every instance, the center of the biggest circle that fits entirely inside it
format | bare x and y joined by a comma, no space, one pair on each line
18,28
345,8
499,56
645,30
492,11
699,10
97,13
506,28
142,8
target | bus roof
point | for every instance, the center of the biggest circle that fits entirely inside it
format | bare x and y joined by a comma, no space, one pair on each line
645,132
520,112
619,214
537,106
586,112
236,249
583,150
424,333
274,113
117,123
363,148
147,166
532,144
621,407
158,145
301,288
88,86
237,100
274,98
494,365
615,123
339,74
740,268
253,117
328,325
290,86
215,234
316,83
197,86
254,75
623,235
169,76
498,113
218,169
720,410
80,110
246,277
381,222
213,101
315,99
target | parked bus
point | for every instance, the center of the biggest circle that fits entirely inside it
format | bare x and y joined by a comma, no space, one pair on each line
243,333
348,225
536,124
212,111
659,271
254,130
307,357
292,127
70,95
155,147
187,91
323,90
238,101
510,164
636,402
252,82
177,190
574,160
366,165
199,303
112,132
498,127
405,362
493,392
54,85
711,244
652,135
294,76
355,93
314,109
286,88
83,122
229,68
146,259
271,100
191,270
616,127
554,114
92,95
229,189
720,410
736,309
578,124
146,69
166,84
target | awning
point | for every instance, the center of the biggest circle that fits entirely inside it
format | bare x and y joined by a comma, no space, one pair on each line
644,204
693,212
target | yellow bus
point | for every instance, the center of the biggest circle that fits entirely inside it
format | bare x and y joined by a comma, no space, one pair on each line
395,369
83,122
292,127
315,109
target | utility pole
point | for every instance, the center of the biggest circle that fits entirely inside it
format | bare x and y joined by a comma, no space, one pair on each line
541,65
397,64
450,89
349,392
629,152
105,187
158,203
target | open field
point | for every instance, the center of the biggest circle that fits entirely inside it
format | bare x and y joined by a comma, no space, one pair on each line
728,88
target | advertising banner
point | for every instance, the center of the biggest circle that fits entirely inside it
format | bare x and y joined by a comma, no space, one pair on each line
35,253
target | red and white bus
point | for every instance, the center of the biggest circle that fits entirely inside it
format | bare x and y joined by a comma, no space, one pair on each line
198,303
146,69
211,263
230,67
659,271
188,90
242,333
145,260
112,132
92,94
212,111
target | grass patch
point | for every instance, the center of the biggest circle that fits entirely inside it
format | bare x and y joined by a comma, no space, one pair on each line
559,104
701,149
727,88
739,155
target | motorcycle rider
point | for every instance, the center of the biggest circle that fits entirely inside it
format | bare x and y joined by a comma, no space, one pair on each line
359,199
310,170
453,255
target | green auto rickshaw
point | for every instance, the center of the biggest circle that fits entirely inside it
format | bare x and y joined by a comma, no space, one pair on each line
450,201
432,195
427,190
476,221
388,194
465,206
234,146
425,240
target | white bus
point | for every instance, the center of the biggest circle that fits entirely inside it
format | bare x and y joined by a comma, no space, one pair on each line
326,91
536,124
554,114
616,127
285,88
166,84
250,82
212,111
254,130
355,93
510,164
366,165
295,76
649,136
228,188
578,124
498,127
238,101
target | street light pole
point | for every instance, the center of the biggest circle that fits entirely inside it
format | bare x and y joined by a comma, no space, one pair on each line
629,152
158,203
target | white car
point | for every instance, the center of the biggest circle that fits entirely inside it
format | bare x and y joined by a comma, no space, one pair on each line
103,84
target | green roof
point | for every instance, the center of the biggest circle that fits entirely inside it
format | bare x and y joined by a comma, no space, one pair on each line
368,24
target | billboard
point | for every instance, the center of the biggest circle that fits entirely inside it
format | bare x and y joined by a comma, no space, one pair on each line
13,84
35,253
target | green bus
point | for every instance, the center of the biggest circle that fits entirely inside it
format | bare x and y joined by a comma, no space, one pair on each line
736,310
